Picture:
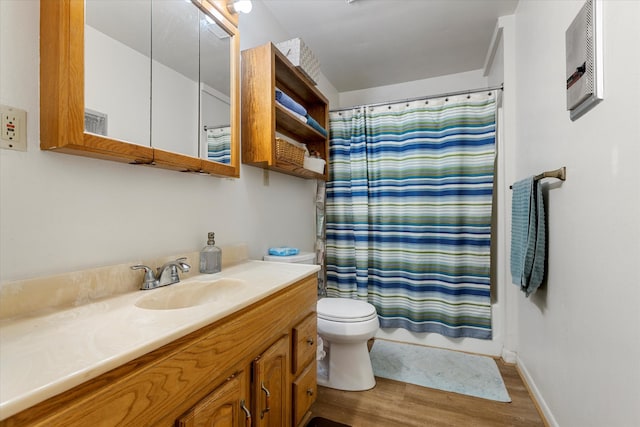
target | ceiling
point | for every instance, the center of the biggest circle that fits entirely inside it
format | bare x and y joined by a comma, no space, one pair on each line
369,43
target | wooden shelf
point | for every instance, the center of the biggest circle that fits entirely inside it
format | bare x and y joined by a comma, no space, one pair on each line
287,123
295,170
263,69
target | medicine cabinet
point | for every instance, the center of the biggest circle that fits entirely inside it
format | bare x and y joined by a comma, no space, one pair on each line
151,82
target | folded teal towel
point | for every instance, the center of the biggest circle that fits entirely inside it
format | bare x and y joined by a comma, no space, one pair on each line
536,273
528,235
284,251
311,122
520,209
292,105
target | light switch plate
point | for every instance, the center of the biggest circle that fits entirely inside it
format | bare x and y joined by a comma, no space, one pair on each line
13,134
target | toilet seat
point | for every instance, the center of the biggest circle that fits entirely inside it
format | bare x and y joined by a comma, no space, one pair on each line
345,310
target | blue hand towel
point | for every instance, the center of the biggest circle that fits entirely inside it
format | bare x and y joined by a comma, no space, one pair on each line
311,122
520,210
528,235
536,274
289,103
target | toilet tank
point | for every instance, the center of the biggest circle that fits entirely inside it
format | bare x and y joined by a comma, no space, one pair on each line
301,258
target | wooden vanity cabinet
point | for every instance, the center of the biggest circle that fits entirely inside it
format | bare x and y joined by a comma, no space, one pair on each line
263,69
213,376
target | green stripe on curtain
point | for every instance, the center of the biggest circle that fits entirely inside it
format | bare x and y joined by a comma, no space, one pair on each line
409,212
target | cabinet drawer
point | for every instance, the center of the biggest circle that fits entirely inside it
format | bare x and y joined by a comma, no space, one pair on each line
304,392
304,343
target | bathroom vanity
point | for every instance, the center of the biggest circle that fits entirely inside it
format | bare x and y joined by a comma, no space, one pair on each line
243,354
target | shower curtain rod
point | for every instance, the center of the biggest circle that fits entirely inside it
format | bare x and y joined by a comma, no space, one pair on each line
419,98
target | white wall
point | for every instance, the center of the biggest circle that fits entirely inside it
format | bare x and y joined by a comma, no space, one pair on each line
61,213
425,87
579,335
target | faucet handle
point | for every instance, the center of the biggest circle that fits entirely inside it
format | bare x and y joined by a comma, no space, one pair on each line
150,280
182,264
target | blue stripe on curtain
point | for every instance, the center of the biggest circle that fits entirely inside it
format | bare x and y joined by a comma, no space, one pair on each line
219,144
409,212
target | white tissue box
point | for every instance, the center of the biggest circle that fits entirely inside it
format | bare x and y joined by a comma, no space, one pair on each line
314,164
302,57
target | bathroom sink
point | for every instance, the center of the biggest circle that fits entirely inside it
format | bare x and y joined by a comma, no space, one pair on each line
190,294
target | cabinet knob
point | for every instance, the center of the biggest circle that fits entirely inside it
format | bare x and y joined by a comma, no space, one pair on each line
309,392
310,341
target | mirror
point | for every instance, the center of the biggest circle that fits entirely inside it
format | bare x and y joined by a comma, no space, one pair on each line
117,69
158,73
215,94
174,75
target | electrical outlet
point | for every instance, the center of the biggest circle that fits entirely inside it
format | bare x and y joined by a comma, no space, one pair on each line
13,135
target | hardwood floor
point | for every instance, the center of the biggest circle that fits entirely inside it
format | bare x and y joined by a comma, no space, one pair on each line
392,403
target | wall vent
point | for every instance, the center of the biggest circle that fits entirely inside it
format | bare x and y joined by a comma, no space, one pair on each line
584,59
95,122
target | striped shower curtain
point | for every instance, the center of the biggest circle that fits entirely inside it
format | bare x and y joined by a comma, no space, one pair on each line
219,144
408,212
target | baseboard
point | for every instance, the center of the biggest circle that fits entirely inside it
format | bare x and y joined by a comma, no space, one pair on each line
509,356
536,396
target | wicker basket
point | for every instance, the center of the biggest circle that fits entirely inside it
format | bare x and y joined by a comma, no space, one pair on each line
289,153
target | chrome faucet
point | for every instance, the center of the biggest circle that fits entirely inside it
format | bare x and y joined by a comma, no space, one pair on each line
166,275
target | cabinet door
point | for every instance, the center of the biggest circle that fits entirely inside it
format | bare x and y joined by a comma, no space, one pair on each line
224,407
270,390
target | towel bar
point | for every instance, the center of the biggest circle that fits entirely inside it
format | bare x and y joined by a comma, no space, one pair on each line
560,174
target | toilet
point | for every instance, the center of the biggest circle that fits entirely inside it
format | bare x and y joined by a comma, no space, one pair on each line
345,325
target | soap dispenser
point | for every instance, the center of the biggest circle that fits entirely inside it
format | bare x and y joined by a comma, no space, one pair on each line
211,256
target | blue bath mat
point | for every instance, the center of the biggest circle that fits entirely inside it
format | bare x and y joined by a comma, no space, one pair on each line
441,369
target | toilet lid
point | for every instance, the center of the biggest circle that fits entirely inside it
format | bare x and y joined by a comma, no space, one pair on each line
345,310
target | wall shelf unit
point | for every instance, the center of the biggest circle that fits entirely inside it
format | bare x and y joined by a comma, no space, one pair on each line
263,69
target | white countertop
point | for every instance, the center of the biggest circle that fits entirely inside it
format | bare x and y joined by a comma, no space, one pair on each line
47,353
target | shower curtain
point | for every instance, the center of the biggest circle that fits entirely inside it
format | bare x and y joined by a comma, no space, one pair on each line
219,144
408,212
